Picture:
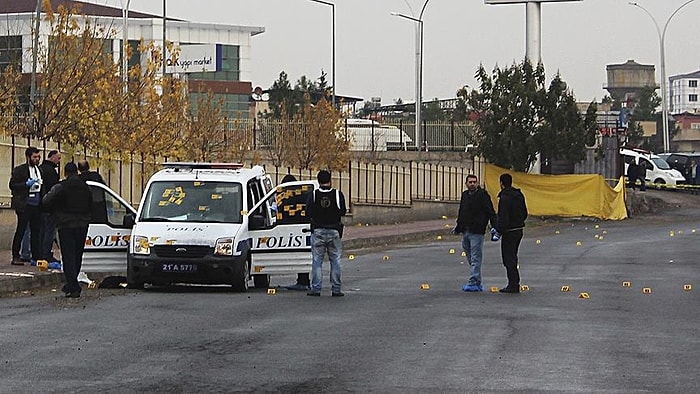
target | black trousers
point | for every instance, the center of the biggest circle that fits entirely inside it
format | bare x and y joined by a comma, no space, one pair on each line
72,242
30,216
510,242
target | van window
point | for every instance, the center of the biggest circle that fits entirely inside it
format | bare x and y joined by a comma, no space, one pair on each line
661,163
193,201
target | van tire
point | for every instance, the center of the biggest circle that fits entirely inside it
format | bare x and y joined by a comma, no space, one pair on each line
261,281
241,277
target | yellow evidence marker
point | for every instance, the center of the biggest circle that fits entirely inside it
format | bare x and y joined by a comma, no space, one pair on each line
351,257
646,290
271,291
578,243
539,241
92,285
452,251
439,237
626,284
464,254
385,258
524,287
687,287
425,286
584,296
565,289
43,265
494,289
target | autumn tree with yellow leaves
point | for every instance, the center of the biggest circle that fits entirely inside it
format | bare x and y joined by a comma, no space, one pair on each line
9,81
312,137
152,114
76,102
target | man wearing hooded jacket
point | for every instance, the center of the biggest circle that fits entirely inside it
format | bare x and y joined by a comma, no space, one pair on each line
512,213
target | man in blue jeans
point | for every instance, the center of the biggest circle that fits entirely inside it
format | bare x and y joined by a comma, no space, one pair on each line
324,208
475,211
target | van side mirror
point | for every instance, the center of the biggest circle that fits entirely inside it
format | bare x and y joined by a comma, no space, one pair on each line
129,220
256,222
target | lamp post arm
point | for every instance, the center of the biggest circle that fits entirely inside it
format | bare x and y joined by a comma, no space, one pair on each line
420,16
658,30
663,34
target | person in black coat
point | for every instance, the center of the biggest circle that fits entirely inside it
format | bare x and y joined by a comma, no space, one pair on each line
49,170
26,187
475,211
70,201
87,175
512,212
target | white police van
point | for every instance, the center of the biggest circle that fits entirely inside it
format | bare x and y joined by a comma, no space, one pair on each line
202,223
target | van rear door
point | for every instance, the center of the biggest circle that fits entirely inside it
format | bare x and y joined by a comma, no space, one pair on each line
109,232
283,244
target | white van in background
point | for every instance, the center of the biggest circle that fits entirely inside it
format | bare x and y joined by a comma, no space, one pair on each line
369,135
657,169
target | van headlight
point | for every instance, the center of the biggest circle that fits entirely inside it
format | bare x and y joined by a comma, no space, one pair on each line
224,247
141,245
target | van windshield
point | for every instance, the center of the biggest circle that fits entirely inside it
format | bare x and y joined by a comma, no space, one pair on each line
661,163
193,201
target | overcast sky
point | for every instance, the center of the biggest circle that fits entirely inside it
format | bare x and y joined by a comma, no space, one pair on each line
375,52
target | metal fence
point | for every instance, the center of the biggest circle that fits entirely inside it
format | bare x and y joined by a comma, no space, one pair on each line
382,183
437,136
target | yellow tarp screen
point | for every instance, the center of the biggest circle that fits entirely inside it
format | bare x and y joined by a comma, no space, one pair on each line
563,195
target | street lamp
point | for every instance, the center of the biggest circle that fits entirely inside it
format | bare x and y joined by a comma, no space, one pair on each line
332,5
662,60
419,68
125,43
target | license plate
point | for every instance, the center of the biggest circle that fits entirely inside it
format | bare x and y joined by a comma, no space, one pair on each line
179,268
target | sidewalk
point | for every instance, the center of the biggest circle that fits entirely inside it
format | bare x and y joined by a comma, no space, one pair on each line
14,278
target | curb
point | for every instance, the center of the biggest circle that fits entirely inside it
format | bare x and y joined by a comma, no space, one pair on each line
388,240
12,283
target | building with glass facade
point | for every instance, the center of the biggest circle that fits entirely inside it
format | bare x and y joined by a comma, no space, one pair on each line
213,57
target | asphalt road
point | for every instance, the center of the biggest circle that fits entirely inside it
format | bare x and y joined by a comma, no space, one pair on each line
388,334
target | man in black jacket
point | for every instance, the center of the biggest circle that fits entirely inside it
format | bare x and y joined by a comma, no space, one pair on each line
88,175
512,213
475,211
26,186
49,170
70,201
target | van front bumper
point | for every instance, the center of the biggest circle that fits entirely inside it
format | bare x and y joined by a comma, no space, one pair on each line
205,270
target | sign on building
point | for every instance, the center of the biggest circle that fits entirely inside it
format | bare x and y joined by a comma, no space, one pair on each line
195,58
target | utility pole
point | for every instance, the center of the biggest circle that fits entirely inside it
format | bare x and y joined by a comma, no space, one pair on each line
32,84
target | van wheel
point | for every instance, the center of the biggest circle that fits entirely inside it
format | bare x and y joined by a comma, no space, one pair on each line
261,281
659,181
241,277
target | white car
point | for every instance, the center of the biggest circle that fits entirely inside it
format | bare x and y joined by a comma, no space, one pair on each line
657,169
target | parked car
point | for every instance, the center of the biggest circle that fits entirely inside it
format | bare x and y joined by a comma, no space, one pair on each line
657,169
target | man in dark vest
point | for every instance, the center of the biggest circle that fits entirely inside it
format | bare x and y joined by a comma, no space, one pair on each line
26,186
70,202
324,207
